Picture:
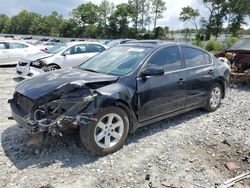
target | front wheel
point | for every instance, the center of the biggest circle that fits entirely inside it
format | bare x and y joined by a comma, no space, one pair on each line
108,133
51,68
214,98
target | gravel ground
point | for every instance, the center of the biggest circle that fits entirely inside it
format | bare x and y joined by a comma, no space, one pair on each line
189,150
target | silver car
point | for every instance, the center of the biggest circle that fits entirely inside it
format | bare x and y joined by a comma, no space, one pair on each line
58,57
12,51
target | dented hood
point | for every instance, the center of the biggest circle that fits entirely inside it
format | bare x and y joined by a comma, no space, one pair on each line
39,86
37,56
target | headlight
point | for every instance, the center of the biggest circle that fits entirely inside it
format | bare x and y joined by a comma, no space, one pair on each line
37,64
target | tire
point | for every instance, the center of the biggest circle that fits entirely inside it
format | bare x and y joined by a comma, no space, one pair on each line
214,98
108,133
51,68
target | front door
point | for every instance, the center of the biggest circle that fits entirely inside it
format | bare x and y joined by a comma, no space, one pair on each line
159,95
77,55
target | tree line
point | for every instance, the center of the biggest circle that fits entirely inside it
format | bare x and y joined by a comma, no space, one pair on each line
128,20
224,16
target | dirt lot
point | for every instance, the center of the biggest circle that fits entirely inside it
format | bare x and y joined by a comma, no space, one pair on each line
190,150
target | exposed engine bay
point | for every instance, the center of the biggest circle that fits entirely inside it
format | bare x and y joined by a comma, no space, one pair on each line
59,110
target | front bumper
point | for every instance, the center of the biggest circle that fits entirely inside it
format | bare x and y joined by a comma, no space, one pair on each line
22,120
27,71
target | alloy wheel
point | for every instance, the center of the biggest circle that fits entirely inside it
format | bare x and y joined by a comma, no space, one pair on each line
109,130
215,97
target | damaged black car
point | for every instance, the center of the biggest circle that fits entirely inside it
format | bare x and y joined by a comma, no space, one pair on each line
120,90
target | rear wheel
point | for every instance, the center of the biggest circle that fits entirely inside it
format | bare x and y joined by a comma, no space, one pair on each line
214,98
108,133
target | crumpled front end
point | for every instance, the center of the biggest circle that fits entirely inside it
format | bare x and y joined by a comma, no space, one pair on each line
239,61
55,112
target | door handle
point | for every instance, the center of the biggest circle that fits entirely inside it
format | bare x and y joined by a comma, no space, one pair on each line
180,81
210,71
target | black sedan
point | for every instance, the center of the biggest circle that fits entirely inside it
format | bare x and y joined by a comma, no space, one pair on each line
119,90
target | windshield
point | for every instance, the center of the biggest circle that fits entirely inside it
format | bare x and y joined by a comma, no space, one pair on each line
117,61
57,48
242,44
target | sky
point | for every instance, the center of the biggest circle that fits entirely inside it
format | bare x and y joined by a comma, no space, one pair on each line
45,7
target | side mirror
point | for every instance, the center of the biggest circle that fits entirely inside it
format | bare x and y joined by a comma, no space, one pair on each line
152,71
66,53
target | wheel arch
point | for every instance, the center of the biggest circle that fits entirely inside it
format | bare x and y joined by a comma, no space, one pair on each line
222,83
54,65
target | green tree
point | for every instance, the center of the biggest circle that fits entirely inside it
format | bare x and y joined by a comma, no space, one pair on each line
53,23
158,7
4,23
21,23
237,12
189,14
134,8
36,26
118,21
86,14
105,10
159,33
218,10
70,28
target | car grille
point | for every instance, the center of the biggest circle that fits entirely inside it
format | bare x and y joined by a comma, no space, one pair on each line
20,63
24,104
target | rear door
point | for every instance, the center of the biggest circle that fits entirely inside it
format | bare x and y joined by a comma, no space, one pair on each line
4,56
199,74
159,95
17,51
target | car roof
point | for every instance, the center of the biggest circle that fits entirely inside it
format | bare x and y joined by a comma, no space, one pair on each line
82,42
157,44
18,41
245,37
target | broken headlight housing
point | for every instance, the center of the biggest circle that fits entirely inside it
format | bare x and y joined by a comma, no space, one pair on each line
37,64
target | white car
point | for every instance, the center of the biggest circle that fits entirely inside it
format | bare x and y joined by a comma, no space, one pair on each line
43,46
12,51
58,57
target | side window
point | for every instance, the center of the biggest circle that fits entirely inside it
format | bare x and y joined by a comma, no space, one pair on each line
207,58
95,48
168,58
193,57
15,45
77,49
2,46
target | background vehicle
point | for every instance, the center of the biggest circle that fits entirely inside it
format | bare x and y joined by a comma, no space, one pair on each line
118,41
119,90
12,51
238,56
47,45
60,56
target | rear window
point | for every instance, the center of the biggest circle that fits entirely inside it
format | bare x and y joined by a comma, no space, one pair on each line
207,58
17,45
2,46
193,57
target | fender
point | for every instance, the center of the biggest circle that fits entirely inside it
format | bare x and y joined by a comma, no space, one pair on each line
114,95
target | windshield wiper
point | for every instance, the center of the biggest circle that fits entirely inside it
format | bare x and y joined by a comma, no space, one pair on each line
90,70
